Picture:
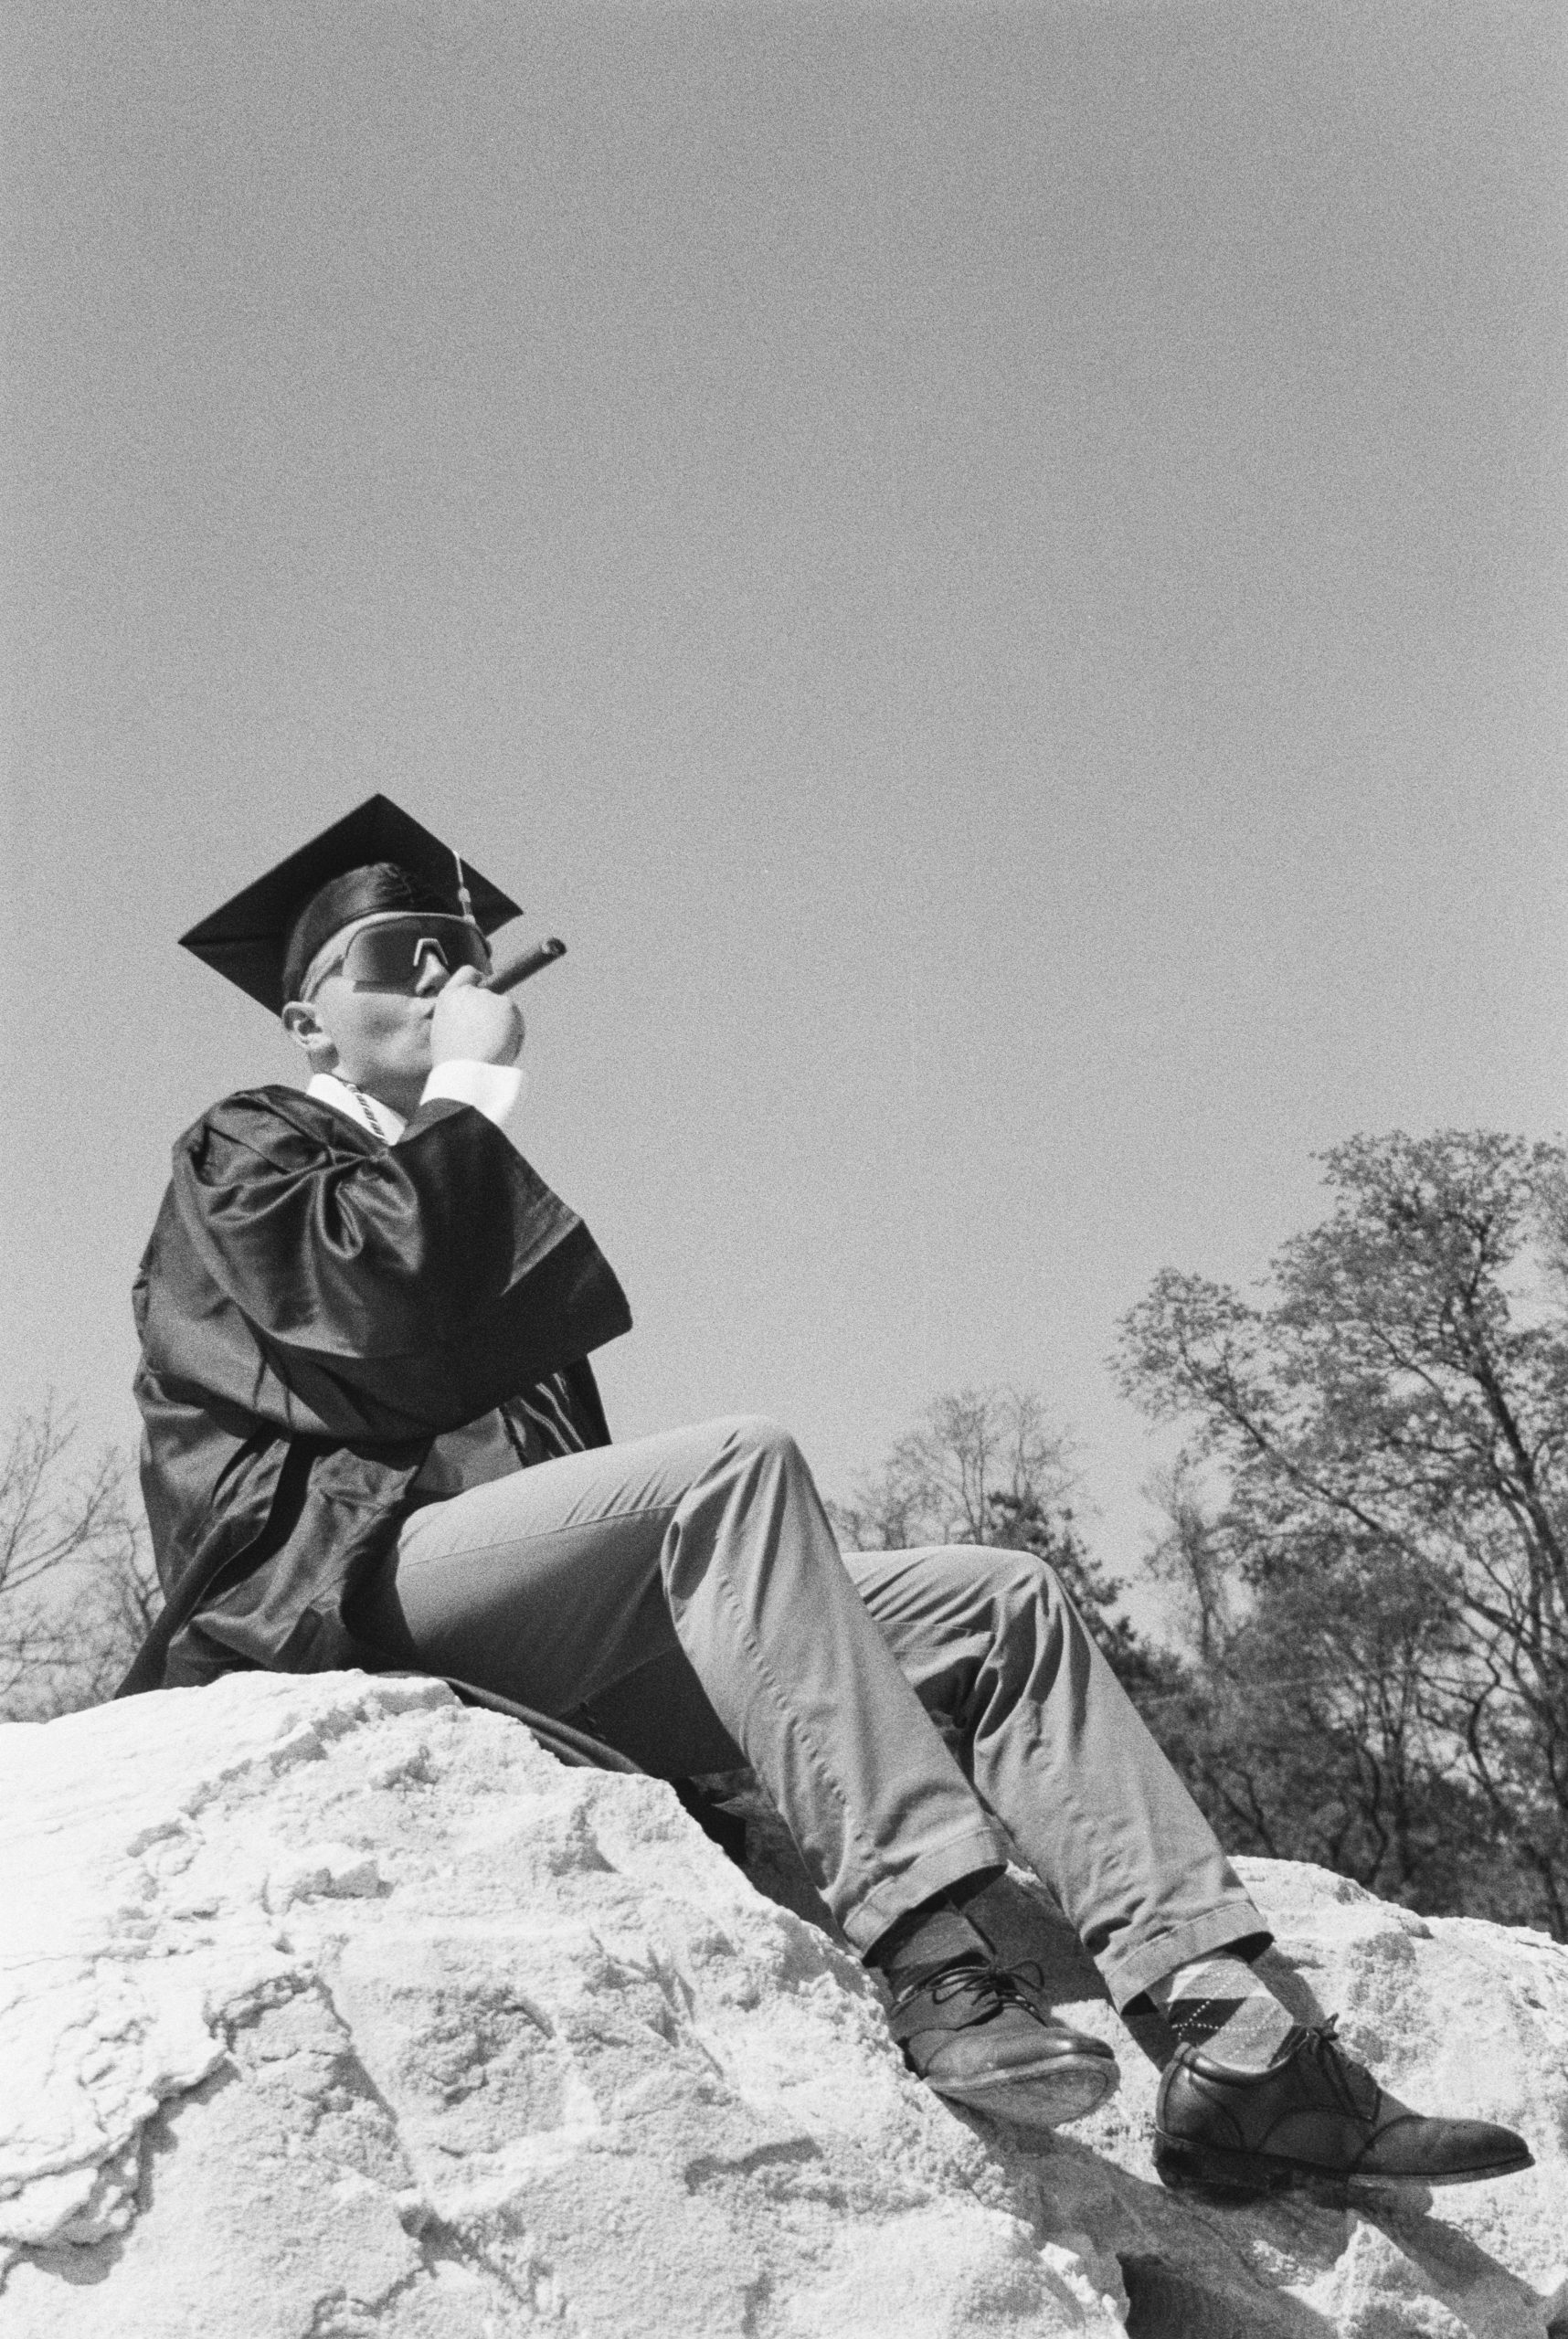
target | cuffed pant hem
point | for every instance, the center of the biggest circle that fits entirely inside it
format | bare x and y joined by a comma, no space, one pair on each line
1130,1967
894,1898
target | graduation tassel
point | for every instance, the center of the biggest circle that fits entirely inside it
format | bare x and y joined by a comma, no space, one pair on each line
464,902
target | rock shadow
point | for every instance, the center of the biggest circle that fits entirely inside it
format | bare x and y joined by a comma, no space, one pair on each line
83,2265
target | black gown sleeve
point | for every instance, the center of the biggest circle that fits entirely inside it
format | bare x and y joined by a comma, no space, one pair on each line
397,1291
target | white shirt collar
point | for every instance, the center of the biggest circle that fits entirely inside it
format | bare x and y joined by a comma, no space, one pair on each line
497,1090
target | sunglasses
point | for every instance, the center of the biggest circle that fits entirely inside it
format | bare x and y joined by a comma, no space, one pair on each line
395,955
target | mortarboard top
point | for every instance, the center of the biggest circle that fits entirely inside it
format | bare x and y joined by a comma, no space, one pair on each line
246,938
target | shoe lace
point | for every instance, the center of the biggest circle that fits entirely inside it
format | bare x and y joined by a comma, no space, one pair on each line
991,1986
1357,2088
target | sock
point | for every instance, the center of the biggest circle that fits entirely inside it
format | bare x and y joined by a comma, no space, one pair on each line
1220,2005
936,1934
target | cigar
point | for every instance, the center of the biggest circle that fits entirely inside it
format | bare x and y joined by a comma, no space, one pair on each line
508,972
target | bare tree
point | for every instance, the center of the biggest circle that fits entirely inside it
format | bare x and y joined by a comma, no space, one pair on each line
986,1466
977,1454
78,1589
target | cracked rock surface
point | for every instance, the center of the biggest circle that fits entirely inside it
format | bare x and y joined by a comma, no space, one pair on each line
328,2007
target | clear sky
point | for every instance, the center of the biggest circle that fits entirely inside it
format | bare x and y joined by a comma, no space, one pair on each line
998,572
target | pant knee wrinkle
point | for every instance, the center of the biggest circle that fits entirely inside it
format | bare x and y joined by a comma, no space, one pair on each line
413,1558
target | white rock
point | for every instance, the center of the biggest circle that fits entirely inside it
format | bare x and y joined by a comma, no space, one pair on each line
330,2007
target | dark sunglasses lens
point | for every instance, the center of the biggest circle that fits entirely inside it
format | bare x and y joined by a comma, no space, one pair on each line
461,946
391,958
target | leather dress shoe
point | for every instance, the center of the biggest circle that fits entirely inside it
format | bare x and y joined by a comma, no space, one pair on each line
1313,2116
979,2034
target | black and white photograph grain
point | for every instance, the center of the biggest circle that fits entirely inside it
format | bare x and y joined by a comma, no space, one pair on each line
784,1167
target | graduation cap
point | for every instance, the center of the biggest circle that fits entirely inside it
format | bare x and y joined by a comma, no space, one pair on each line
247,940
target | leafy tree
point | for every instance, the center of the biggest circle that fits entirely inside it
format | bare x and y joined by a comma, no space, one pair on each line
1300,1723
78,1589
1383,1587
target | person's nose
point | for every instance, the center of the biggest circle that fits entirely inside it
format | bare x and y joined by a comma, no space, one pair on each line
430,973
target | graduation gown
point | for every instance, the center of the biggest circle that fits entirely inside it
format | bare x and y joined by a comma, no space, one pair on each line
315,1308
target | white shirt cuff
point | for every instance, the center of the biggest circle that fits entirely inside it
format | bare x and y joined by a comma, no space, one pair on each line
496,1090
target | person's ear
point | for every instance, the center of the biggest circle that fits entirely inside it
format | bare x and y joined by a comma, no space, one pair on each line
306,1029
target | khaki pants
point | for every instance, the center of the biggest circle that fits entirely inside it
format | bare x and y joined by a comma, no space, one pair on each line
910,1713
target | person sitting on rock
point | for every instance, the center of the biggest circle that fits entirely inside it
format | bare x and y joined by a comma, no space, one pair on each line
373,1438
